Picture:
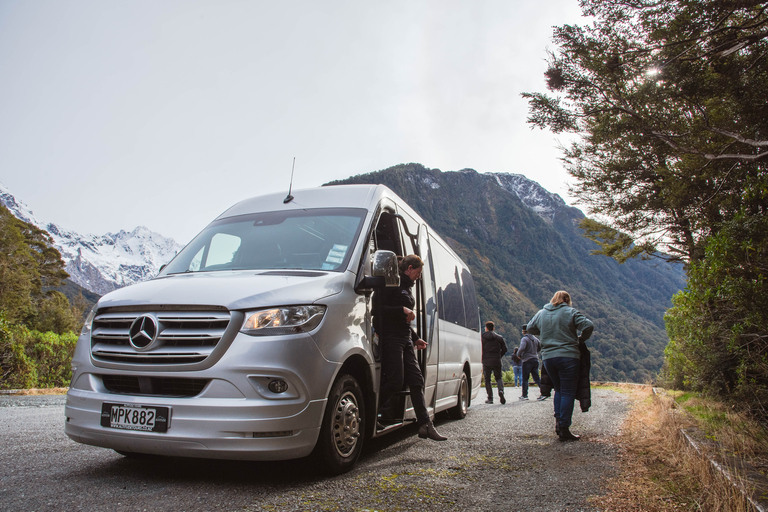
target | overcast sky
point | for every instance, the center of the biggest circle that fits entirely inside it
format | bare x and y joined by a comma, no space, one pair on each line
120,113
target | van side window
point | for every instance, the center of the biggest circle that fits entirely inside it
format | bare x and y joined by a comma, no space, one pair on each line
449,294
471,310
386,236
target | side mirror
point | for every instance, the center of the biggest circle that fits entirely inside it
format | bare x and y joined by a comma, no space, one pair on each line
384,264
384,271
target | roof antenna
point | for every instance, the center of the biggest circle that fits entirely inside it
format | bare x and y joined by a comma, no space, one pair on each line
289,197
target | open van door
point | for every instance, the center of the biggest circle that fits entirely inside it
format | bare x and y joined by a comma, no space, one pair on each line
427,308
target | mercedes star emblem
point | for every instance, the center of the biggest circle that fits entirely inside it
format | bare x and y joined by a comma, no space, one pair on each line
143,331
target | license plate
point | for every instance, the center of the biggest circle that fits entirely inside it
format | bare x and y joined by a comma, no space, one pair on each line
134,417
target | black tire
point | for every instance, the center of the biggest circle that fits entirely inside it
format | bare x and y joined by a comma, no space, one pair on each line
343,429
459,411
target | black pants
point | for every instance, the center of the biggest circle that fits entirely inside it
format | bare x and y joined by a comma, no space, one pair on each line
398,367
493,371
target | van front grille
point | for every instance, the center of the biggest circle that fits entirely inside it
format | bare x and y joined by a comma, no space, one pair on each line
157,337
153,386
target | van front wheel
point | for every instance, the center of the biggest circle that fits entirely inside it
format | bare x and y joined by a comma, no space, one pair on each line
343,428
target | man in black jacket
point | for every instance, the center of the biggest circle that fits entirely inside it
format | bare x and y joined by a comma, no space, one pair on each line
393,310
493,350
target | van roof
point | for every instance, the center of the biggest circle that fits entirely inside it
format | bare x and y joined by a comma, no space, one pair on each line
348,196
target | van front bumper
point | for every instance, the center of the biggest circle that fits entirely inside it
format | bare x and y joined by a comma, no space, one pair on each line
241,429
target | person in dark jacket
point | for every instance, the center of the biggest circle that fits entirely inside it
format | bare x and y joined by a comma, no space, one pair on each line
494,349
392,317
529,354
562,329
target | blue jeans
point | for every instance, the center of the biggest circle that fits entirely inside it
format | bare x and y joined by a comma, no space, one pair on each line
530,369
564,372
518,370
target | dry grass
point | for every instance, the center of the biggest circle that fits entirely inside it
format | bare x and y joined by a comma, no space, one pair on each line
659,471
42,391
734,432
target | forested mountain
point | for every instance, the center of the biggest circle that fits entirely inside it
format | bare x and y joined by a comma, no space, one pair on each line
523,243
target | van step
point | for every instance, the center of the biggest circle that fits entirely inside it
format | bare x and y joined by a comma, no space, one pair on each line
384,425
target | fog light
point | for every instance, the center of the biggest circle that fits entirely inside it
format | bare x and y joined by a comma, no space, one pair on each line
278,386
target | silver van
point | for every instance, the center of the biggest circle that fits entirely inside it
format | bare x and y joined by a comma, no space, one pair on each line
255,342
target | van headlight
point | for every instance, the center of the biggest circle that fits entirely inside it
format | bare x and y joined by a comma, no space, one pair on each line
286,320
88,321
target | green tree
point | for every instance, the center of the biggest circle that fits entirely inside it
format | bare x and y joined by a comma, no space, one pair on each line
669,101
30,269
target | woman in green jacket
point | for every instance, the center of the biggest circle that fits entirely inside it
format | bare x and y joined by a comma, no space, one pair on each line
561,328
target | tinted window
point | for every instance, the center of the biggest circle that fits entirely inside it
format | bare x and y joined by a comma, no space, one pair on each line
449,296
471,311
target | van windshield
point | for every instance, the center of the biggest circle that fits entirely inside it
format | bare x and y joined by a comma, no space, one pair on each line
314,239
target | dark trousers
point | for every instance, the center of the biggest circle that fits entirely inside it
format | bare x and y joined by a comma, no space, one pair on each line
398,367
493,371
530,368
564,372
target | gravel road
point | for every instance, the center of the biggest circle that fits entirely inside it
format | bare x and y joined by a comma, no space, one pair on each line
499,458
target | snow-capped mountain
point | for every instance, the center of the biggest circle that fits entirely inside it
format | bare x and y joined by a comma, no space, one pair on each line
533,195
102,263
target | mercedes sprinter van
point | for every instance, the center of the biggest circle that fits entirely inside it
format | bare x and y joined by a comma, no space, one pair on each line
255,342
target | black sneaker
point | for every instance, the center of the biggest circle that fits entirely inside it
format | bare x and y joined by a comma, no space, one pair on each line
542,397
523,398
502,399
489,401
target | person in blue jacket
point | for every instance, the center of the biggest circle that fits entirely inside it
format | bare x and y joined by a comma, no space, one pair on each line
561,329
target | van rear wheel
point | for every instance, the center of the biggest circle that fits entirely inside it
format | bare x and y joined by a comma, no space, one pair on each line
459,411
343,429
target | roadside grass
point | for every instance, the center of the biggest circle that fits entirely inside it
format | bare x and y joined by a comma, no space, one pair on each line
661,471
40,391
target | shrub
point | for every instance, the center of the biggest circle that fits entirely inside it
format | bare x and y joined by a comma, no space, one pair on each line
31,359
718,327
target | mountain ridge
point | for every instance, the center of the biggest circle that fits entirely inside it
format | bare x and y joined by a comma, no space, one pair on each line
102,263
523,243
